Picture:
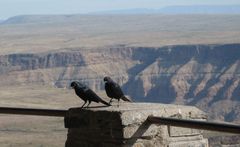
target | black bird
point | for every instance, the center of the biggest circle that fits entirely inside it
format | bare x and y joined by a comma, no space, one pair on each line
86,94
113,90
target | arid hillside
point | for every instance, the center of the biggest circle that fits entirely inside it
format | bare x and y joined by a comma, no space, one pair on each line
185,59
181,59
207,76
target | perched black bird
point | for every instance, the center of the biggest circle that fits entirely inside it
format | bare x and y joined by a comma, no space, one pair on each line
86,94
113,90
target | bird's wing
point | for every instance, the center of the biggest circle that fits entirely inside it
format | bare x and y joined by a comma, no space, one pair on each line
92,96
117,90
109,90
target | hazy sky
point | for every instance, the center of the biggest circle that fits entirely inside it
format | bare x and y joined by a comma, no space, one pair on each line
10,8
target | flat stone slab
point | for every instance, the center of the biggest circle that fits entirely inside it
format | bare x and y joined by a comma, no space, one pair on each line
131,113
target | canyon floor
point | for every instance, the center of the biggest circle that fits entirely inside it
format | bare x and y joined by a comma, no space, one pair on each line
28,131
37,131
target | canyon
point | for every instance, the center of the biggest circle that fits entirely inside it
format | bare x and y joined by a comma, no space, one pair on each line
207,76
179,59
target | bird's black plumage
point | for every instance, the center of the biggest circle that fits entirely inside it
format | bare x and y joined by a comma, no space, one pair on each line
86,94
113,90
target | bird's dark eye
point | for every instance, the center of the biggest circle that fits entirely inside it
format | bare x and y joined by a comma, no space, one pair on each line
106,79
73,84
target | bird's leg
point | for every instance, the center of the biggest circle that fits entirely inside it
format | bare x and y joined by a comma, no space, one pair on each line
118,102
89,102
110,101
84,104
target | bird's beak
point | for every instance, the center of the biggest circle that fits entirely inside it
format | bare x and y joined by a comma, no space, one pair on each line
104,79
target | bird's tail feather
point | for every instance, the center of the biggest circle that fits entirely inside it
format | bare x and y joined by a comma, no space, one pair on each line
102,101
126,99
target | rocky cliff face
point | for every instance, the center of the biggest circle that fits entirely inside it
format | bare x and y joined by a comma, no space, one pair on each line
207,76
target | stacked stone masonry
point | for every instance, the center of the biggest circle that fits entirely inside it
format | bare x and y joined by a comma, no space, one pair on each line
127,126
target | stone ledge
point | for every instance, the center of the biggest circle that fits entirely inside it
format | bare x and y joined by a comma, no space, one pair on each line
126,125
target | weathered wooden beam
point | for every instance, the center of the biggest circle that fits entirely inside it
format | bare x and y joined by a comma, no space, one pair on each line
31,111
195,124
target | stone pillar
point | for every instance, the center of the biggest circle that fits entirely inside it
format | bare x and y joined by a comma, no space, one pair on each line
126,126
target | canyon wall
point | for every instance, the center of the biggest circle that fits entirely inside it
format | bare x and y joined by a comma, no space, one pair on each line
207,76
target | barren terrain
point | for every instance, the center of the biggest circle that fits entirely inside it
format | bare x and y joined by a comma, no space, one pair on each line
48,33
184,59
